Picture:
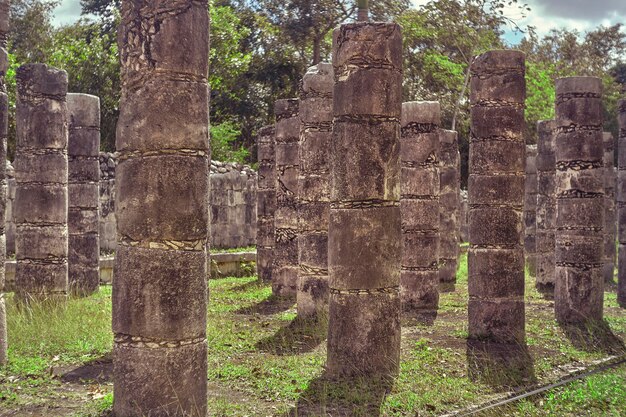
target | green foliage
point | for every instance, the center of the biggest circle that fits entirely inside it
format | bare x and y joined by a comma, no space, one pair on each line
228,59
263,360
223,139
540,95
91,61
41,336
440,40
30,31
565,53
599,395
260,49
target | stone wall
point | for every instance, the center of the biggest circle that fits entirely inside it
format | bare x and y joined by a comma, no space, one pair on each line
232,214
232,205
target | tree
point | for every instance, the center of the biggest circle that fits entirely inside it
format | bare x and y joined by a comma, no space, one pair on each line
308,23
91,60
618,72
30,33
107,12
563,53
440,40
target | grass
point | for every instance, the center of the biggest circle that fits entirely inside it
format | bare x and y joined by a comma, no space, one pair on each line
599,395
263,361
234,250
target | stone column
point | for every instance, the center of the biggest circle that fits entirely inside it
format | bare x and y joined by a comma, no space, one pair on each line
579,235
364,232
4,122
316,121
496,198
285,270
546,207
610,219
41,197
450,208
159,290
419,207
621,204
530,210
266,203
84,193
464,227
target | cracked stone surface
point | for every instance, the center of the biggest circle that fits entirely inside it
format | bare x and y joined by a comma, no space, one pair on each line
419,207
530,210
316,117
496,198
162,192
610,212
579,232
285,269
546,206
621,204
266,203
450,214
83,193
364,229
41,175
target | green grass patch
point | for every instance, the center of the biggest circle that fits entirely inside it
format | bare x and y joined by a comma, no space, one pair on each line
264,361
234,250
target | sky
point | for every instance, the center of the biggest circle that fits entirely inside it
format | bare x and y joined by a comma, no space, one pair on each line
544,15
67,12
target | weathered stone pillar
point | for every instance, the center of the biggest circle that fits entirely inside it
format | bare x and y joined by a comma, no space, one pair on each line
496,198
610,219
364,232
84,193
621,204
450,208
159,290
4,121
546,206
285,271
419,207
316,116
579,235
265,203
530,210
41,180
464,214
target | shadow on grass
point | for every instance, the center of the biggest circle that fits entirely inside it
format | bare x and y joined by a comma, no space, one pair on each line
98,370
271,305
500,365
249,285
418,318
300,336
352,397
594,337
546,290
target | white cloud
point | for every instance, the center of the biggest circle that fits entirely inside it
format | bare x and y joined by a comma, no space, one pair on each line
545,15
67,12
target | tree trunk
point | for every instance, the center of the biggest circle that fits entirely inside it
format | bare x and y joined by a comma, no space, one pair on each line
317,50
